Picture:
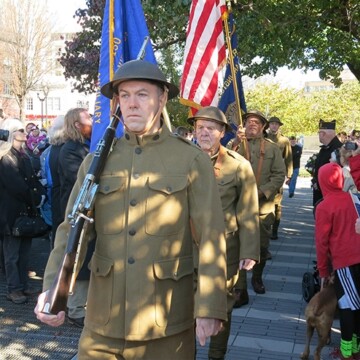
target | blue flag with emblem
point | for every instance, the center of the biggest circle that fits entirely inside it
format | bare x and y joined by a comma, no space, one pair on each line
123,32
227,101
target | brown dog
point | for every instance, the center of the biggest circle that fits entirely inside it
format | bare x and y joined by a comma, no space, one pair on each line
319,315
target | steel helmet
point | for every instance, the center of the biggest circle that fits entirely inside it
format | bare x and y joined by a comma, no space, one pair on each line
137,70
275,119
211,113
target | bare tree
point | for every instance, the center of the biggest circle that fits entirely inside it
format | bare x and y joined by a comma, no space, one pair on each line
25,39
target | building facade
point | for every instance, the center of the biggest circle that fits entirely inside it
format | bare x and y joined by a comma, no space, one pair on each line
53,96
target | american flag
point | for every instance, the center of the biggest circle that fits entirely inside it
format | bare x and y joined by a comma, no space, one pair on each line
205,54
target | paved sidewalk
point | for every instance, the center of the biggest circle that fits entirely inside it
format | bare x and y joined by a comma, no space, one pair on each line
271,327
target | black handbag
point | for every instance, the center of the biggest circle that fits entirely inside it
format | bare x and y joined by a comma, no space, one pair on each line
29,226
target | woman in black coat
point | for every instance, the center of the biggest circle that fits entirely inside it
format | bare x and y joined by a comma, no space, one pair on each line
20,191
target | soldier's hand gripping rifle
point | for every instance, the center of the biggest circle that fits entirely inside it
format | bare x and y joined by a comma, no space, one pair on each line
80,216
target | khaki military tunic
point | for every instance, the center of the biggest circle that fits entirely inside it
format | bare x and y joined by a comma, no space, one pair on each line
270,176
141,284
285,147
239,197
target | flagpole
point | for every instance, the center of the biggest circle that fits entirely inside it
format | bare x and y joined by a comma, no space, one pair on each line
166,118
232,68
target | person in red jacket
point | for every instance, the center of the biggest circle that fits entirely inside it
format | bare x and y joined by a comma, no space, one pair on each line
337,241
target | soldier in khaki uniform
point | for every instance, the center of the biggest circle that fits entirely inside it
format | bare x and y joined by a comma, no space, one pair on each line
283,143
141,303
239,198
269,169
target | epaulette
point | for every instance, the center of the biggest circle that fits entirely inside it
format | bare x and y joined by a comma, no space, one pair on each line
235,155
232,153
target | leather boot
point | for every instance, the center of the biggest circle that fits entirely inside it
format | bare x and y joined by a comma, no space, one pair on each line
258,285
241,297
268,255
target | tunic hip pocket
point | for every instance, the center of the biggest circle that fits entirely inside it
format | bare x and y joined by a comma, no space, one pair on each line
174,296
100,290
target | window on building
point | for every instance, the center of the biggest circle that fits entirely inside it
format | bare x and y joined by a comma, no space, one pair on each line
53,103
82,104
29,103
7,90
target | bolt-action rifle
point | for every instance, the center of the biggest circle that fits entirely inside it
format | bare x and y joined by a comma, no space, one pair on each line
81,216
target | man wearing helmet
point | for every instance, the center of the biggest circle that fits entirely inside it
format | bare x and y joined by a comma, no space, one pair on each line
269,169
156,190
239,198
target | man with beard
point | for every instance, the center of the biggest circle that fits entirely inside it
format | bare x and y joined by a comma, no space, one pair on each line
268,166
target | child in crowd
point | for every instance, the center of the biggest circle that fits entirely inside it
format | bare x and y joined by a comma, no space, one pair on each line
336,238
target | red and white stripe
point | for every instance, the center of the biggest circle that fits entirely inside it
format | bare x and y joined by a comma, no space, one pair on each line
205,54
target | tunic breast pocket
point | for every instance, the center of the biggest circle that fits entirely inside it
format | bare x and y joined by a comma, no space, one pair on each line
110,204
228,194
166,205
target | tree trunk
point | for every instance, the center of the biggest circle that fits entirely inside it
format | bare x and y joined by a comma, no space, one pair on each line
355,69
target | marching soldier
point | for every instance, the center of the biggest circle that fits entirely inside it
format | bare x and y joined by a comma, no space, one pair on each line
274,134
239,198
269,170
141,302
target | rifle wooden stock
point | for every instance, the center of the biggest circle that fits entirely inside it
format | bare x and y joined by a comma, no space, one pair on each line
56,300
58,293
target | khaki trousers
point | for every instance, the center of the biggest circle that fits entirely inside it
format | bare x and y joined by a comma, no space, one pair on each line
218,343
176,347
77,301
265,221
